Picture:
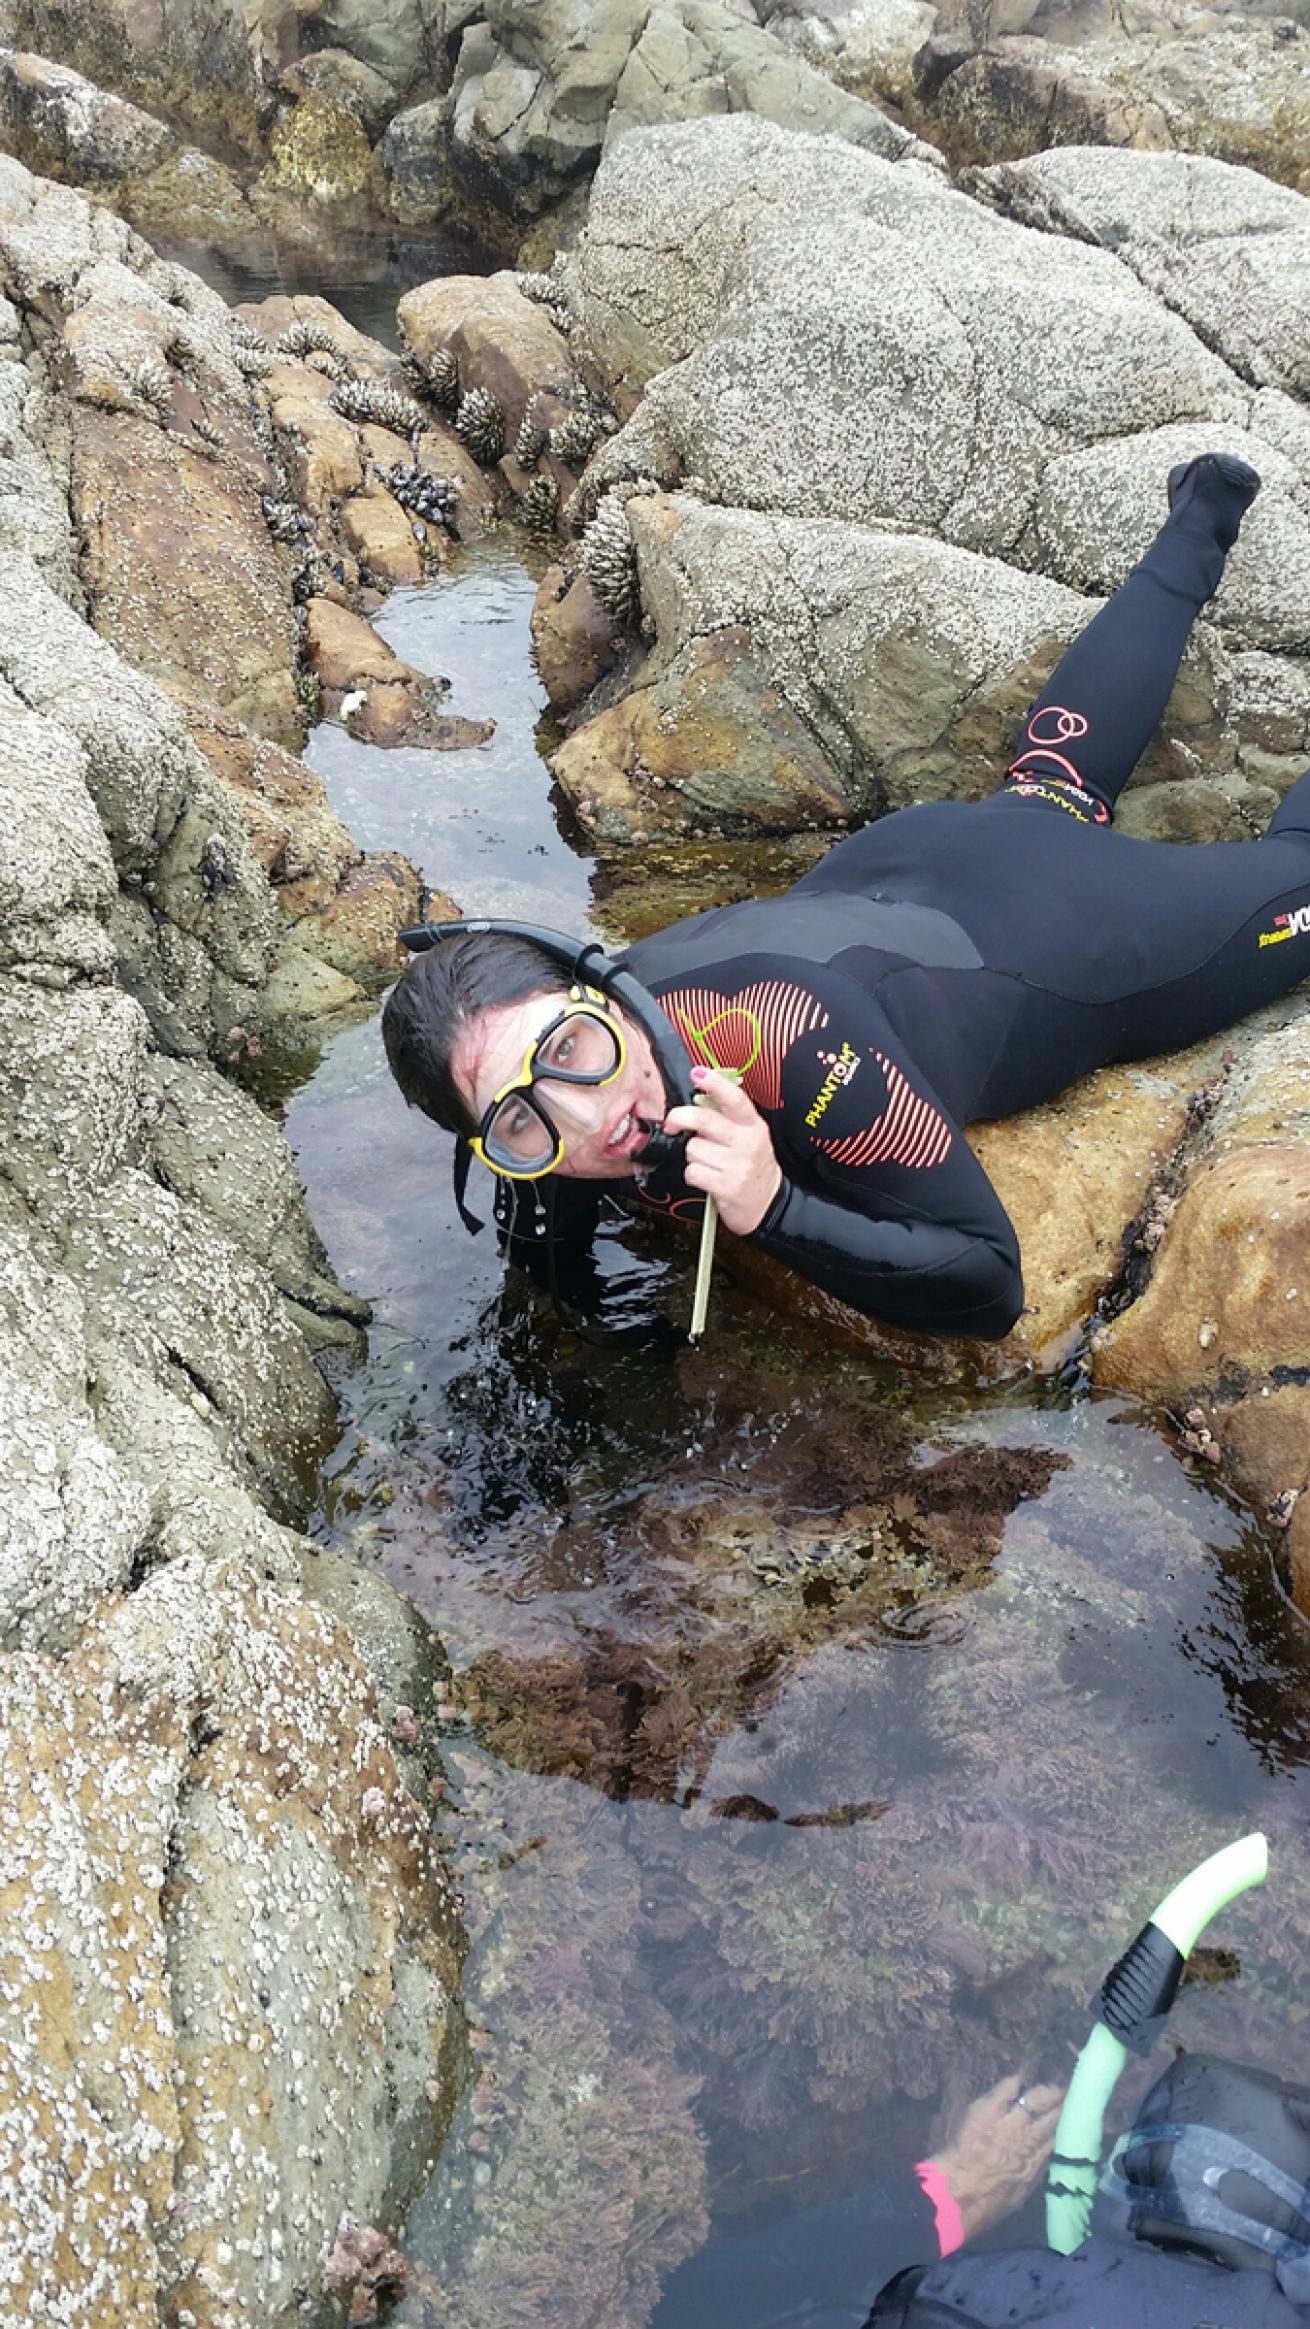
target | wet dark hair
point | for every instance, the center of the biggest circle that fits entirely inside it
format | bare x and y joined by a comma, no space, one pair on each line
431,1006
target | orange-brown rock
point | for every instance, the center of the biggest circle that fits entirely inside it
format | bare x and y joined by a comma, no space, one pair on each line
320,449
275,315
1228,1303
443,454
380,535
574,640
382,700
182,576
501,341
707,744
1073,1176
346,906
1229,1300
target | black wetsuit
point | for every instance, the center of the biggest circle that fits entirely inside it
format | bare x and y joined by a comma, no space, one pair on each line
961,961
820,2266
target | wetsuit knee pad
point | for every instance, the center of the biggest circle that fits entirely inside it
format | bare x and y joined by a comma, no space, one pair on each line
1217,2164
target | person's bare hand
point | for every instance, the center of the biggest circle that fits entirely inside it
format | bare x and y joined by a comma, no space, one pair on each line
1000,2152
730,1154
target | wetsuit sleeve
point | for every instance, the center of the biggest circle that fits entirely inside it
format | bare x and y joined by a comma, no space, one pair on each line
888,1208
821,2268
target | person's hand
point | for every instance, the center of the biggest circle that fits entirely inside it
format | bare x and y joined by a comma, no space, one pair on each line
1000,2152
730,1154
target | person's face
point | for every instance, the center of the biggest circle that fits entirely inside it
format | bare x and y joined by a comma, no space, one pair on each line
603,1125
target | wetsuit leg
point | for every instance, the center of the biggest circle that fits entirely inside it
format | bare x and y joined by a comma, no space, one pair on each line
1132,948
1103,702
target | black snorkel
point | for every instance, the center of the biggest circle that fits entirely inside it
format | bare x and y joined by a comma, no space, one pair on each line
586,965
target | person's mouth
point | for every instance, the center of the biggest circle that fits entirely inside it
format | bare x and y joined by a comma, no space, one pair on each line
626,1134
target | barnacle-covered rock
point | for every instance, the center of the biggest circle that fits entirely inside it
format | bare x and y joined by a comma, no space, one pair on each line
373,400
609,560
481,423
532,437
539,507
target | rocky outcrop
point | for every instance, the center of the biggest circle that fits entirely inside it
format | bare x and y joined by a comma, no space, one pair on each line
189,561
894,512
203,61
229,1953
63,126
866,46
1238,91
1221,247
537,94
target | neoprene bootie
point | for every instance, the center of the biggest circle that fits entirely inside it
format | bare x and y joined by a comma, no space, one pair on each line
1217,488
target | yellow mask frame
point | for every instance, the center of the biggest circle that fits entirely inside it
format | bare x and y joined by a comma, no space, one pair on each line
583,1003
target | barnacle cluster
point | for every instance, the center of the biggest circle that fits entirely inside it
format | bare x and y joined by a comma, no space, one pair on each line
531,440
573,441
609,559
250,349
375,401
481,423
285,520
305,338
152,386
437,378
539,507
548,292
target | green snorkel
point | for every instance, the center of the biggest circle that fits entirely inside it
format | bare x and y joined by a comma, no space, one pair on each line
1130,2009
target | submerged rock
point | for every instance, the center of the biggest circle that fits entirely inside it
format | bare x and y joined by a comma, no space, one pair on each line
318,151
62,125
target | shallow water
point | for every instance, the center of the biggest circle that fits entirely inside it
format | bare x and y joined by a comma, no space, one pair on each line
820,1736
361,269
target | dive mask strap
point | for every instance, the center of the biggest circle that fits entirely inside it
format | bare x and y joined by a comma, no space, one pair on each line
461,1163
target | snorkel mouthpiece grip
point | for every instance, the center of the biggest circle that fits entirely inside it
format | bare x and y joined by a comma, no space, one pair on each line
1138,1992
1137,1995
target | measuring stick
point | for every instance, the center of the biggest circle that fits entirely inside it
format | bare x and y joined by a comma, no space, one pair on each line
700,1300
709,1230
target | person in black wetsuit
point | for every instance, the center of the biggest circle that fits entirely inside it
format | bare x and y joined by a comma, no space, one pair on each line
950,962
